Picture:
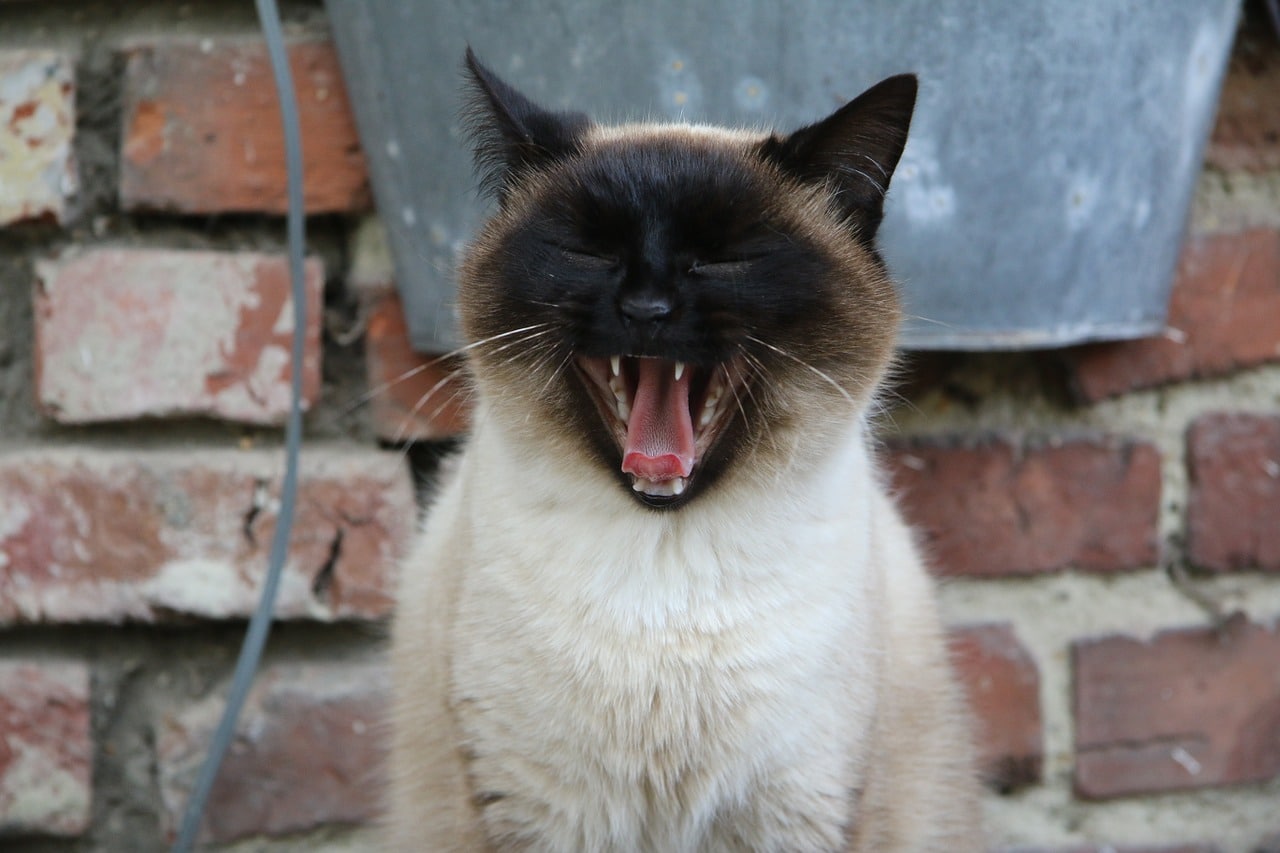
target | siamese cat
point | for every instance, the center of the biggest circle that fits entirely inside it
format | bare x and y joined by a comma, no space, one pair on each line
664,602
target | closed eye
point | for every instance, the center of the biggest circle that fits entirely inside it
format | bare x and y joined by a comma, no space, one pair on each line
589,260
721,269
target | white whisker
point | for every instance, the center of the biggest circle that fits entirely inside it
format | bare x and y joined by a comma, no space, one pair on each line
834,384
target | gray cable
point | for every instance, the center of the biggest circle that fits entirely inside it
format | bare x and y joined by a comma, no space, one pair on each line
260,625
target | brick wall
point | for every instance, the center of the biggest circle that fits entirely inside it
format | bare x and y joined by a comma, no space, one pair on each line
1107,518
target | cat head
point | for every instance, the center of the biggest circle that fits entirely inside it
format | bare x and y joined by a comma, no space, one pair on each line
681,303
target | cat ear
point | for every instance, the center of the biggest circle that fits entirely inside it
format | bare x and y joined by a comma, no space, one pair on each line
854,150
511,133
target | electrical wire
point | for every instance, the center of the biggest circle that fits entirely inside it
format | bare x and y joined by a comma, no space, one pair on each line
260,625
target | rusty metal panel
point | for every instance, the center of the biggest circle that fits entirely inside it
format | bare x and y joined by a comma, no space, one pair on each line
1041,199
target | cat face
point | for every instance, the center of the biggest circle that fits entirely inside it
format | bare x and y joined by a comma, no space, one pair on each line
680,302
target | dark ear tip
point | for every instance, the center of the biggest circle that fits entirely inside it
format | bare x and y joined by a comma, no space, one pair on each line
477,68
905,86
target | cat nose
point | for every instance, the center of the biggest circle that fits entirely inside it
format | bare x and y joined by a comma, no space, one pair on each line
645,307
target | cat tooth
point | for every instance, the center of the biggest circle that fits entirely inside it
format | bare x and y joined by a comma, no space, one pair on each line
659,489
679,370
708,414
620,403
615,364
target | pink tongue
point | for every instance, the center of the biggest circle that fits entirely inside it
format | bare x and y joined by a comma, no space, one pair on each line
660,433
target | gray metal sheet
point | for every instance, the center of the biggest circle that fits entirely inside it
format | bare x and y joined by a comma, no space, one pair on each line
1041,199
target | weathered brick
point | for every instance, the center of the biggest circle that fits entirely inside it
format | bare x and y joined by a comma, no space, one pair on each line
308,752
415,397
202,130
1191,708
46,751
1224,316
97,535
997,509
1246,134
1003,685
127,333
1233,512
37,125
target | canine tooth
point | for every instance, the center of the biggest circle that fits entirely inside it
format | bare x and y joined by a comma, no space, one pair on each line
708,414
615,363
679,370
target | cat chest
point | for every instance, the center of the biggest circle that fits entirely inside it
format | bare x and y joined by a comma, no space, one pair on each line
601,740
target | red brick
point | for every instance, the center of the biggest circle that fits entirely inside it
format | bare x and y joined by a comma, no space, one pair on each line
46,751
128,333
202,131
1246,134
1003,686
1233,513
96,535
997,509
37,126
415,397
307,753
1224,316
1189,709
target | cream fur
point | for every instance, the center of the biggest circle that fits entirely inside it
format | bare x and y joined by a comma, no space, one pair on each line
762,669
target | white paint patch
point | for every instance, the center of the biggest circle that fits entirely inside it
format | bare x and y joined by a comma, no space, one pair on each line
284,320
39,793
261,390
14,515
1186,761
37,166
202,587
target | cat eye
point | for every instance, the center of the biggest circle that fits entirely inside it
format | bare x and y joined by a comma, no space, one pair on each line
589,260
720,269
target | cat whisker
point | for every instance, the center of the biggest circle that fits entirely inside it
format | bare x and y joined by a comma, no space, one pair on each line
758,373
382,387
555,374
422,401
399,438
834,384
880,188
922,319
874,162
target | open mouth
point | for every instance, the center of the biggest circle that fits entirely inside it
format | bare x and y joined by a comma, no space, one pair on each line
663,415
